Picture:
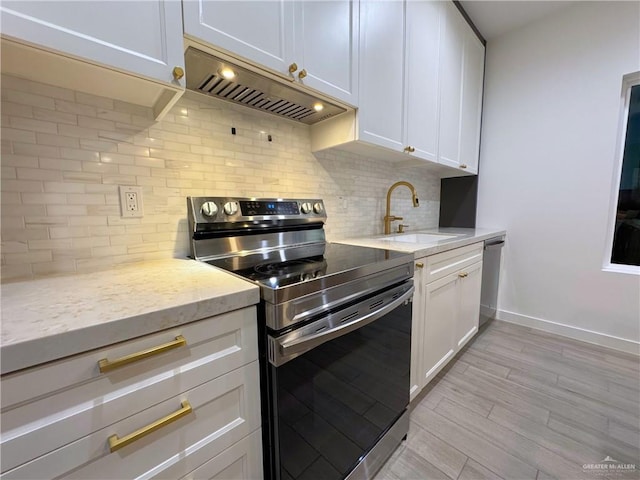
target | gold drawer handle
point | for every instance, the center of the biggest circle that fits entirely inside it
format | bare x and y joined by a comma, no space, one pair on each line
105,365
116,443
463,166
463,274
419,265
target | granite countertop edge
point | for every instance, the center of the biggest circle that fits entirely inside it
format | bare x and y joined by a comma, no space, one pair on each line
178,291
464,237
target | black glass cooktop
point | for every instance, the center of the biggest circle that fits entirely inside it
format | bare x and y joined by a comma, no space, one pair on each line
336,259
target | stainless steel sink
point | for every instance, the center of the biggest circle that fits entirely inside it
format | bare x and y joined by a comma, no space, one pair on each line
419,238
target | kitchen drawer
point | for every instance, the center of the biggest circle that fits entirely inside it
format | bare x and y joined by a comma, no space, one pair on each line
442,264
242,461
224,411
73,399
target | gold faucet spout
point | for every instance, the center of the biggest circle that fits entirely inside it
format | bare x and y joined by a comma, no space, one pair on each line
388,218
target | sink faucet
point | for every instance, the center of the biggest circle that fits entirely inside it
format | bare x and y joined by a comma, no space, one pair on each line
388,218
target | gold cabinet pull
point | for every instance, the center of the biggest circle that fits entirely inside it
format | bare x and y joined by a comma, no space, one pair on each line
116,443
178,73
293,67
463,274
463,166
302,74
409,149
105,365
419,265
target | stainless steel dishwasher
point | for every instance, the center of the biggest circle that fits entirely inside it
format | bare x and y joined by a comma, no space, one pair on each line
490,278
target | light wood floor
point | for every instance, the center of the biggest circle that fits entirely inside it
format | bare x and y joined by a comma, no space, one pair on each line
519,403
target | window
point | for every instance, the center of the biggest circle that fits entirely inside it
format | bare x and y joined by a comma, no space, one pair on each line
625,248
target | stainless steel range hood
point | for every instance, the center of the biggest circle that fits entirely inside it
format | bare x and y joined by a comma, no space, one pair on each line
204,74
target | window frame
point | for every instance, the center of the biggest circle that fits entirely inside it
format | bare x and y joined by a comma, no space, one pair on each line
628,81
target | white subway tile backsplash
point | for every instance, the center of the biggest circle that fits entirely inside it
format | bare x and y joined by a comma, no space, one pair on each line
11,160
36,256
97,123
19,186
85,199
43,198
60,164
65,153
87,99
70,210
79,154
24,98
17,109
57,140
16,135
55,116
8,172
33,125
35,150
75,108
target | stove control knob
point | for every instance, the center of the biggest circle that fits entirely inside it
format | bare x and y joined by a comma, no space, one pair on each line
318,208
230,208
306,207
209,209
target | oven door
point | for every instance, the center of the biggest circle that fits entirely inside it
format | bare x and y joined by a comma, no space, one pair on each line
338,385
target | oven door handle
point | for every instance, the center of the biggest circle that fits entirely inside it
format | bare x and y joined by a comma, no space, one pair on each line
287,350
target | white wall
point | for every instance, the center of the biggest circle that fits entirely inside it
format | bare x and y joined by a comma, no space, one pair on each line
64,153
550,127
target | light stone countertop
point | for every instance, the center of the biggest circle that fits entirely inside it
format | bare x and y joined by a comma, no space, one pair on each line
463,236
50,318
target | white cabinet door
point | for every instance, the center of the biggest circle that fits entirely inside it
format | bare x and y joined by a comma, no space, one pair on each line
417,330
472,84
452,46
381,114
260,31
317,39
140,37
422,54
469,286
439,329
241,461
326,46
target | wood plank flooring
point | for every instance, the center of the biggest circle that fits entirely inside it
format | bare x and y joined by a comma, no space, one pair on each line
519,403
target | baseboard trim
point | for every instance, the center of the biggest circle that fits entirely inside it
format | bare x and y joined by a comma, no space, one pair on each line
589,336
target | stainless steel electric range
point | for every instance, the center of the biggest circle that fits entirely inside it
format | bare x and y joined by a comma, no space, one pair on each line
334,327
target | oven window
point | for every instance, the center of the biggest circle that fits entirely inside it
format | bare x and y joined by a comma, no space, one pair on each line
334,402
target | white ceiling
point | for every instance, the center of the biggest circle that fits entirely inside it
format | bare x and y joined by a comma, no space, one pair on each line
493,18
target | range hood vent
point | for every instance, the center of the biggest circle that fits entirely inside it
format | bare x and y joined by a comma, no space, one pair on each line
253,90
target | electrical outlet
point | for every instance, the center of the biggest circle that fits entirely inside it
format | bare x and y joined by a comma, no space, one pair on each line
131,201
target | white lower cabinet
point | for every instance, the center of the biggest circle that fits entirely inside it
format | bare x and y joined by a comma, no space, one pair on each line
161,416
446,310
242,460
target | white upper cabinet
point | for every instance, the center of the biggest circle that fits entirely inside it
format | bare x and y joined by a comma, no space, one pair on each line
143,38
326,42
257,30
451,62
399,67
462,75
381,115
471,102
314,43
422,81
421,74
